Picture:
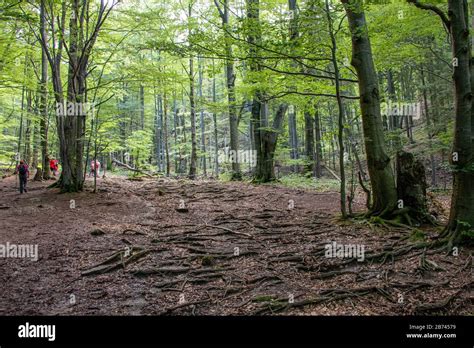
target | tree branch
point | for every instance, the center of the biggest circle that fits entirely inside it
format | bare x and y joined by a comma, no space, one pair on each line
283,94
304,73
221,13
434,9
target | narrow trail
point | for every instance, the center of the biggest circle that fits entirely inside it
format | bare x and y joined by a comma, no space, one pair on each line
209,248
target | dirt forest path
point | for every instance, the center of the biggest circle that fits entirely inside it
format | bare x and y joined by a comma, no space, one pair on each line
234,249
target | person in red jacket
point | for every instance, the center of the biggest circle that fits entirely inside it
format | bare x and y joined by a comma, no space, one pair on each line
53,165
23,175
95,168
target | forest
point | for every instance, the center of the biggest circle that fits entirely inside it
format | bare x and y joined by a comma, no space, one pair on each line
236,157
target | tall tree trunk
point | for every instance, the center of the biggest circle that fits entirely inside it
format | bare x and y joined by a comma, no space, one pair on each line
265,137
230,81
192,106
142,107
175,133
71,179
461,217
292,127
293,136
71,127
165,134
29,112
318,155
340,134
309,140
192,166
214,118
156,125
35,137
254,38
43,106
159,132
202,121
333,141
381,176
395,142
429,126
22,114
182,155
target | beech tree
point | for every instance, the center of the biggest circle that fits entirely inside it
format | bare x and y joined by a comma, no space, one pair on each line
82,35
223,9
384,192
456,21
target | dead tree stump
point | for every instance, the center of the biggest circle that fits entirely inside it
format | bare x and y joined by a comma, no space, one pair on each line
411,188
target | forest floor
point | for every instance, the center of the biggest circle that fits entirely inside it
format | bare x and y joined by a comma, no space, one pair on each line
236,249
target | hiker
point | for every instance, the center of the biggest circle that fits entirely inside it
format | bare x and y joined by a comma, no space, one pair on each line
23,175
53,165
95,165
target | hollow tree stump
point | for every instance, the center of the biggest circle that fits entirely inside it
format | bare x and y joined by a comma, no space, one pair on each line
411,186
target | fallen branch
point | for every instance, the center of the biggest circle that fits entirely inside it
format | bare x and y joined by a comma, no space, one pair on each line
332,173
121,164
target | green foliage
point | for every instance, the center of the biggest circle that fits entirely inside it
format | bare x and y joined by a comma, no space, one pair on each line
139,144
146,46
301,181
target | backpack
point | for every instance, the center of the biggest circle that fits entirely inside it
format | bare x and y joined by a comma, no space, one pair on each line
22,169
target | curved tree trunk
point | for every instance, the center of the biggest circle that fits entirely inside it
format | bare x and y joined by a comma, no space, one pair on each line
340,107
381,176
461,217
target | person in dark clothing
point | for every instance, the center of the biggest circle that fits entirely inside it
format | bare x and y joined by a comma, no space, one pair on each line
23,175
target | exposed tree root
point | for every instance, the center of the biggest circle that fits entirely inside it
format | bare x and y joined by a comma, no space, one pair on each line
228,230
278,305
117,260
160,270
436,306
274,305
387,252
280,252
183,305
